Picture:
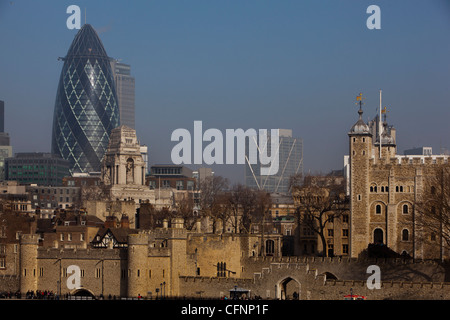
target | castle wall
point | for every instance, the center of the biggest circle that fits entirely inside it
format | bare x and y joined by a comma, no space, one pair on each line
398,281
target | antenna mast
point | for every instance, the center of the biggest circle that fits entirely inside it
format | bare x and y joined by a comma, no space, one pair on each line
379,125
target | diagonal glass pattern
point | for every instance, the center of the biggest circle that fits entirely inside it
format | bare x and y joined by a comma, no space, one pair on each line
86,108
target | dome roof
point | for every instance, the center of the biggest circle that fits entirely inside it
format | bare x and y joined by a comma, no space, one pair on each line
360,127
386,138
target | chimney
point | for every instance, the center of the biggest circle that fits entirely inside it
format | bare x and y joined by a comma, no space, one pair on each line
124,222
110,222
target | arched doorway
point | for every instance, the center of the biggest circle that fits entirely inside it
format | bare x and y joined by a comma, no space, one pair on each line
378,237
288,289
83,293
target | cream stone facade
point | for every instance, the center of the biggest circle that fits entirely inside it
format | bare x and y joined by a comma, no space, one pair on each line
123,167
383,188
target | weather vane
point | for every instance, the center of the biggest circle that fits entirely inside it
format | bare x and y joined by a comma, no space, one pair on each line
359,99
384,111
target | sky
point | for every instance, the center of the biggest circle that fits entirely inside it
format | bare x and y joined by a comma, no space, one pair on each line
262,64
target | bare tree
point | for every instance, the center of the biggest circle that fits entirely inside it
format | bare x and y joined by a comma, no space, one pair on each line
210,197
433,210
185,208
319,202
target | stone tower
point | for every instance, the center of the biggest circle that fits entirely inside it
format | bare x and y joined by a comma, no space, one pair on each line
123,163
123,167
360,153
28,262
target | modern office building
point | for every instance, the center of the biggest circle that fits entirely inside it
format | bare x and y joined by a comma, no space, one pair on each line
125,92
37,168
170,176
5,147
290,157
86,108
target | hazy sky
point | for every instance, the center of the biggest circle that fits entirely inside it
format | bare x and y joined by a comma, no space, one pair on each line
232,64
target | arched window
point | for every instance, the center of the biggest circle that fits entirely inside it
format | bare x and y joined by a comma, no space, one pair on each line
405,235
405,208
378,209
433,190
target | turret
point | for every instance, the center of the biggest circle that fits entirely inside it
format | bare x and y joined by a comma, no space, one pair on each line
360,153
28,262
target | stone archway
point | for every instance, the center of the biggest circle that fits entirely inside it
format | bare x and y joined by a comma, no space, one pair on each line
288,289
82,292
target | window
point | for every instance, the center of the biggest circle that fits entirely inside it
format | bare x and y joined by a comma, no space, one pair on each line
405,235
270,247
433,237
221,269
345,248
405,208
345,232
345,218
378,209
330,232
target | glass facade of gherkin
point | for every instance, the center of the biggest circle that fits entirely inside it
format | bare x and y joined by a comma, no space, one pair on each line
86,108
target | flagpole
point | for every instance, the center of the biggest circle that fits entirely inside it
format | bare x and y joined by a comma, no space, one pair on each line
379,125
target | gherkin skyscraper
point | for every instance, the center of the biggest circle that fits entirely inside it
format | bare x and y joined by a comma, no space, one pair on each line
86,108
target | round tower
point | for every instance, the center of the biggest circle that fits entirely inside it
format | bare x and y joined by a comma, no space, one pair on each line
137,264
28,262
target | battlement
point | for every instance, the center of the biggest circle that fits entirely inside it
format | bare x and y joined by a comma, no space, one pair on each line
29,239
141,238
88,253
216,280
339,260
389,284
170,233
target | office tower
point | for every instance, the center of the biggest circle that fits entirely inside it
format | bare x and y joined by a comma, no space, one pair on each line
2,116
290,155
144,152
5,147
37,167
125,92
86,108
